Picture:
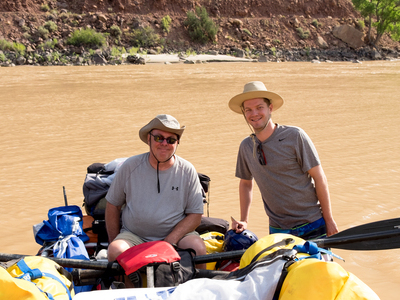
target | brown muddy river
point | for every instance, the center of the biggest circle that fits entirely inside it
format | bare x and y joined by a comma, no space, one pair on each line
55,121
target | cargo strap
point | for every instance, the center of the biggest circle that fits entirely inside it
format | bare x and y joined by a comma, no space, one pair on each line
30,275
284,242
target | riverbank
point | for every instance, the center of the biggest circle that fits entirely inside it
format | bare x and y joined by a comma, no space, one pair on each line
106,57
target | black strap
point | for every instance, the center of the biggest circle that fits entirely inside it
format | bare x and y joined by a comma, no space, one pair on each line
158,178
282,279
284,242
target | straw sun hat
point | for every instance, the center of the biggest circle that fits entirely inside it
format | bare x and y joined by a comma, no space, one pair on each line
252,90
162,122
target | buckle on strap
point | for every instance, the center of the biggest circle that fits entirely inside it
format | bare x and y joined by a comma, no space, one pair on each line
176,266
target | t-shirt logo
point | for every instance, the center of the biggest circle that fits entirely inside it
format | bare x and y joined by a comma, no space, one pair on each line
175,188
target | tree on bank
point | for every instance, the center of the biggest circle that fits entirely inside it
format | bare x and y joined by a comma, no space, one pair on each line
200,26
384,15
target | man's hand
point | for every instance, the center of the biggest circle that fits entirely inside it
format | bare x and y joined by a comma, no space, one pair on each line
238,226
331,227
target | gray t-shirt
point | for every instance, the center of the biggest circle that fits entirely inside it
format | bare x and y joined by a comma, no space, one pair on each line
287,189
149,214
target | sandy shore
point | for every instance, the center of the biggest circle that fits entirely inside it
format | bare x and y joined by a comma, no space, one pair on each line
174,58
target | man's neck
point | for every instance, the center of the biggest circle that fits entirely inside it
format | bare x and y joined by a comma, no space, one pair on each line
163,165
266,132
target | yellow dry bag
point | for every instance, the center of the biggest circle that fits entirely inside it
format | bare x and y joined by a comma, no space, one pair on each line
313,279
35,278
272,242
214,242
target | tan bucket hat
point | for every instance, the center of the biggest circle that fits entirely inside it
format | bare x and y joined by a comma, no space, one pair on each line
162,122
252,90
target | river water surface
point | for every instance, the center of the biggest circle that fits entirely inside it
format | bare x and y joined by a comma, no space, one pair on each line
55,121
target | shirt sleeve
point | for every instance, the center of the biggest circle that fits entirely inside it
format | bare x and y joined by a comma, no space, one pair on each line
194,194
242,167
307,155
116,194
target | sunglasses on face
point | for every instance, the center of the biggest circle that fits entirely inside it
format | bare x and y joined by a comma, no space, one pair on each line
261,156
159,139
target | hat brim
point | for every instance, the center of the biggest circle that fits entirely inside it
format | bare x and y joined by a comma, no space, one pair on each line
236,102
157,124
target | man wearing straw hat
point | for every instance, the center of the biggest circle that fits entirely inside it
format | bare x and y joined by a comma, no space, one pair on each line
285,165
161,193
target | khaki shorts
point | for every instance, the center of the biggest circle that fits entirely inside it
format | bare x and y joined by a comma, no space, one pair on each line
135,240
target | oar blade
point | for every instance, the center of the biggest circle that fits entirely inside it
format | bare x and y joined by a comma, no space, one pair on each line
374,241
373,227
386,244
380,235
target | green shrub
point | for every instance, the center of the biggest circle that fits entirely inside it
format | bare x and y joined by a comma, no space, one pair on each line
50,26
302,34
43,32
273,50
55,56
50,44
20,48
74,23
315,23
190,51
133,50
86,37
166,23
25,28
144,37
200,26
44,7
64,15
9,46
27,35
5,45
115,31
308,50
247,31
117,52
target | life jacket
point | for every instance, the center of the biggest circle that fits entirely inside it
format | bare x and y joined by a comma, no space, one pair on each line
171,266
35,278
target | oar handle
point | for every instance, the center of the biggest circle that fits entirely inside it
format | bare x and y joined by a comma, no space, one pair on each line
71,263
348,239
116,267
201,259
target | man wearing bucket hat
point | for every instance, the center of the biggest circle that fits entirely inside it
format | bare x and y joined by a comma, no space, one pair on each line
285,165
161,193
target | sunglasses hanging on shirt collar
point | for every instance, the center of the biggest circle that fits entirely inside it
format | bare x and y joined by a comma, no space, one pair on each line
261,156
